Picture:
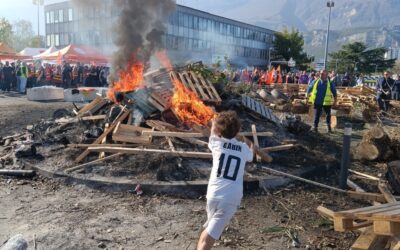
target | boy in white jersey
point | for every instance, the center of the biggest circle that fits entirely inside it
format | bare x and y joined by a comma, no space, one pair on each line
225,187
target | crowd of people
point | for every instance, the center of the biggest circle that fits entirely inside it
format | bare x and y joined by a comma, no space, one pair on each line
273,76
18,76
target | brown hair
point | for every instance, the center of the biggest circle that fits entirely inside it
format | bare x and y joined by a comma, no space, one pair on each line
227,124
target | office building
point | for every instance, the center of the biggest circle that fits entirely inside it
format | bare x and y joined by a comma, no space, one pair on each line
191,34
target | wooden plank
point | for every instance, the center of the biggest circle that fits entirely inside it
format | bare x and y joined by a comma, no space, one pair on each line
193,87
183,154
364,175
325,212
145,140
171,145
386,192
105,133
93,106
365,209
388,228
99,145
156,104
255,140
203,82
368,240
187,84
194,135
214,91
342,224
354,186
68,170
205,97
78,119
278,148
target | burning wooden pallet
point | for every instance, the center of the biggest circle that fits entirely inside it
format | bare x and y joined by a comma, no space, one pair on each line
93,106
199,85
259,108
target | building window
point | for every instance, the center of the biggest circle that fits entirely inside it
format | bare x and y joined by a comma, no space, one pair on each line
185,20
70,17
48,41
51,16
52,39
196,22
57,40
61,16
56,17
47,17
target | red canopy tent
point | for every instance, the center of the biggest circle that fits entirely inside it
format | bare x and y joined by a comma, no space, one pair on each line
78,53
8,53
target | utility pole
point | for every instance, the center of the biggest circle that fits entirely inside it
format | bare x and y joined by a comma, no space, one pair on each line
330,4
38,3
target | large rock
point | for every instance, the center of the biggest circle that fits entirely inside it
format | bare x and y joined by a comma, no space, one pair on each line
45,93
16,242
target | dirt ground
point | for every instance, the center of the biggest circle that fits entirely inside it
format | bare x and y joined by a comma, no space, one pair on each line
57,216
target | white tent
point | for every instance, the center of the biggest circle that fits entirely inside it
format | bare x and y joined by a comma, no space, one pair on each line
31,51
47,52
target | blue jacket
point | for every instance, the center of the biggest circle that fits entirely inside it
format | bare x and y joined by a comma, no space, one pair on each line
321,90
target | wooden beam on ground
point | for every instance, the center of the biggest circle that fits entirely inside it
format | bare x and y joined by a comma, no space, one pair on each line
255,140
364,175
105,133
386,192
354,186
194,135
17,173
184,154
68,170
170,144
325,212
369,241
100,145
354,194
78,119
278,148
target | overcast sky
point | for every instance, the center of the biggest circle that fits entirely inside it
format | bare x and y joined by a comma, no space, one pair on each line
24,9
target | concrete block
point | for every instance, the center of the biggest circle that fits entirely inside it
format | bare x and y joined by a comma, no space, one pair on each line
45,93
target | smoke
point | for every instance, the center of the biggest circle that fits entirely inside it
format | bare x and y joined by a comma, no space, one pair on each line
139,30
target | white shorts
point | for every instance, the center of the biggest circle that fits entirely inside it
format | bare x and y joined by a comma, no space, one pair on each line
218,216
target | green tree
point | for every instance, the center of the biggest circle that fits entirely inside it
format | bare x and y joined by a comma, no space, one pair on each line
357,58
291,45
5,31
23,34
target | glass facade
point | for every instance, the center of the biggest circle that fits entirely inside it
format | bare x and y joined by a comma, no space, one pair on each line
190,33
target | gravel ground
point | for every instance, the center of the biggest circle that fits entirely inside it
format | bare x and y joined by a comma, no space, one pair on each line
76,217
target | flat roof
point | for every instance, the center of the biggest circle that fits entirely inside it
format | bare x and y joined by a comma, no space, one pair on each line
193,10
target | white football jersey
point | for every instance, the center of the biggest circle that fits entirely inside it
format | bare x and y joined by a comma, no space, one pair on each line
229,160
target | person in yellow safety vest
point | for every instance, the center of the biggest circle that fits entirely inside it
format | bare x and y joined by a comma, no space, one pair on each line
322,94
23,77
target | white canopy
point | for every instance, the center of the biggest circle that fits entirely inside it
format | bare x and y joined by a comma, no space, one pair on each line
31,51
47,52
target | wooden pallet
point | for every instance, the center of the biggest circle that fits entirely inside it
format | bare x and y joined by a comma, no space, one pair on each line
160,97
93,106
130,134
202,87
259,108
385,218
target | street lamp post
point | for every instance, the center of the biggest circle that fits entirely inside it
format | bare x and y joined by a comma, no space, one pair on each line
329,4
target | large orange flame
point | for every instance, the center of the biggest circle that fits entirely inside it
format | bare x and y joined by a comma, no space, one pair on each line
129,79
188,107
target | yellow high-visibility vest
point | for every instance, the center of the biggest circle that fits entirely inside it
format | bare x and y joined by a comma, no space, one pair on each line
328,99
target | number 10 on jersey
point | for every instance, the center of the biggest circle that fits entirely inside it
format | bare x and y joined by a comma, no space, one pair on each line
231,161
